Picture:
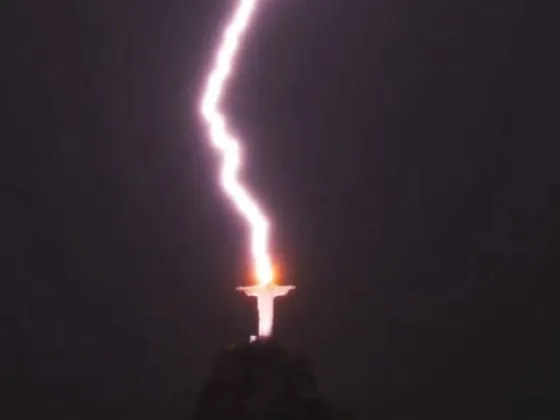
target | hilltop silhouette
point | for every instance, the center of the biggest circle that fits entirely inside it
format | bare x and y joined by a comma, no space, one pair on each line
263,380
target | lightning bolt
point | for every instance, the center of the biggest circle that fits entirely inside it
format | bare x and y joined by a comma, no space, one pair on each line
229,146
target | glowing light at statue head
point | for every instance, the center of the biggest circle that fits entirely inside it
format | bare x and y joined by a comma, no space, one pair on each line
229,146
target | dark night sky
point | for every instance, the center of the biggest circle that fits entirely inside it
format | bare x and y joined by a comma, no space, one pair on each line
405,151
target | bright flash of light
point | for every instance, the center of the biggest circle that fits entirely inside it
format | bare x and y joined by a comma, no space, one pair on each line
228,145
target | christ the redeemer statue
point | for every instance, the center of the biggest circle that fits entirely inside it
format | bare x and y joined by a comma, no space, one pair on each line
265,295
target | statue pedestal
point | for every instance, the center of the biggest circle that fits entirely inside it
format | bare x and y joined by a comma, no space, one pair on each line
260,380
